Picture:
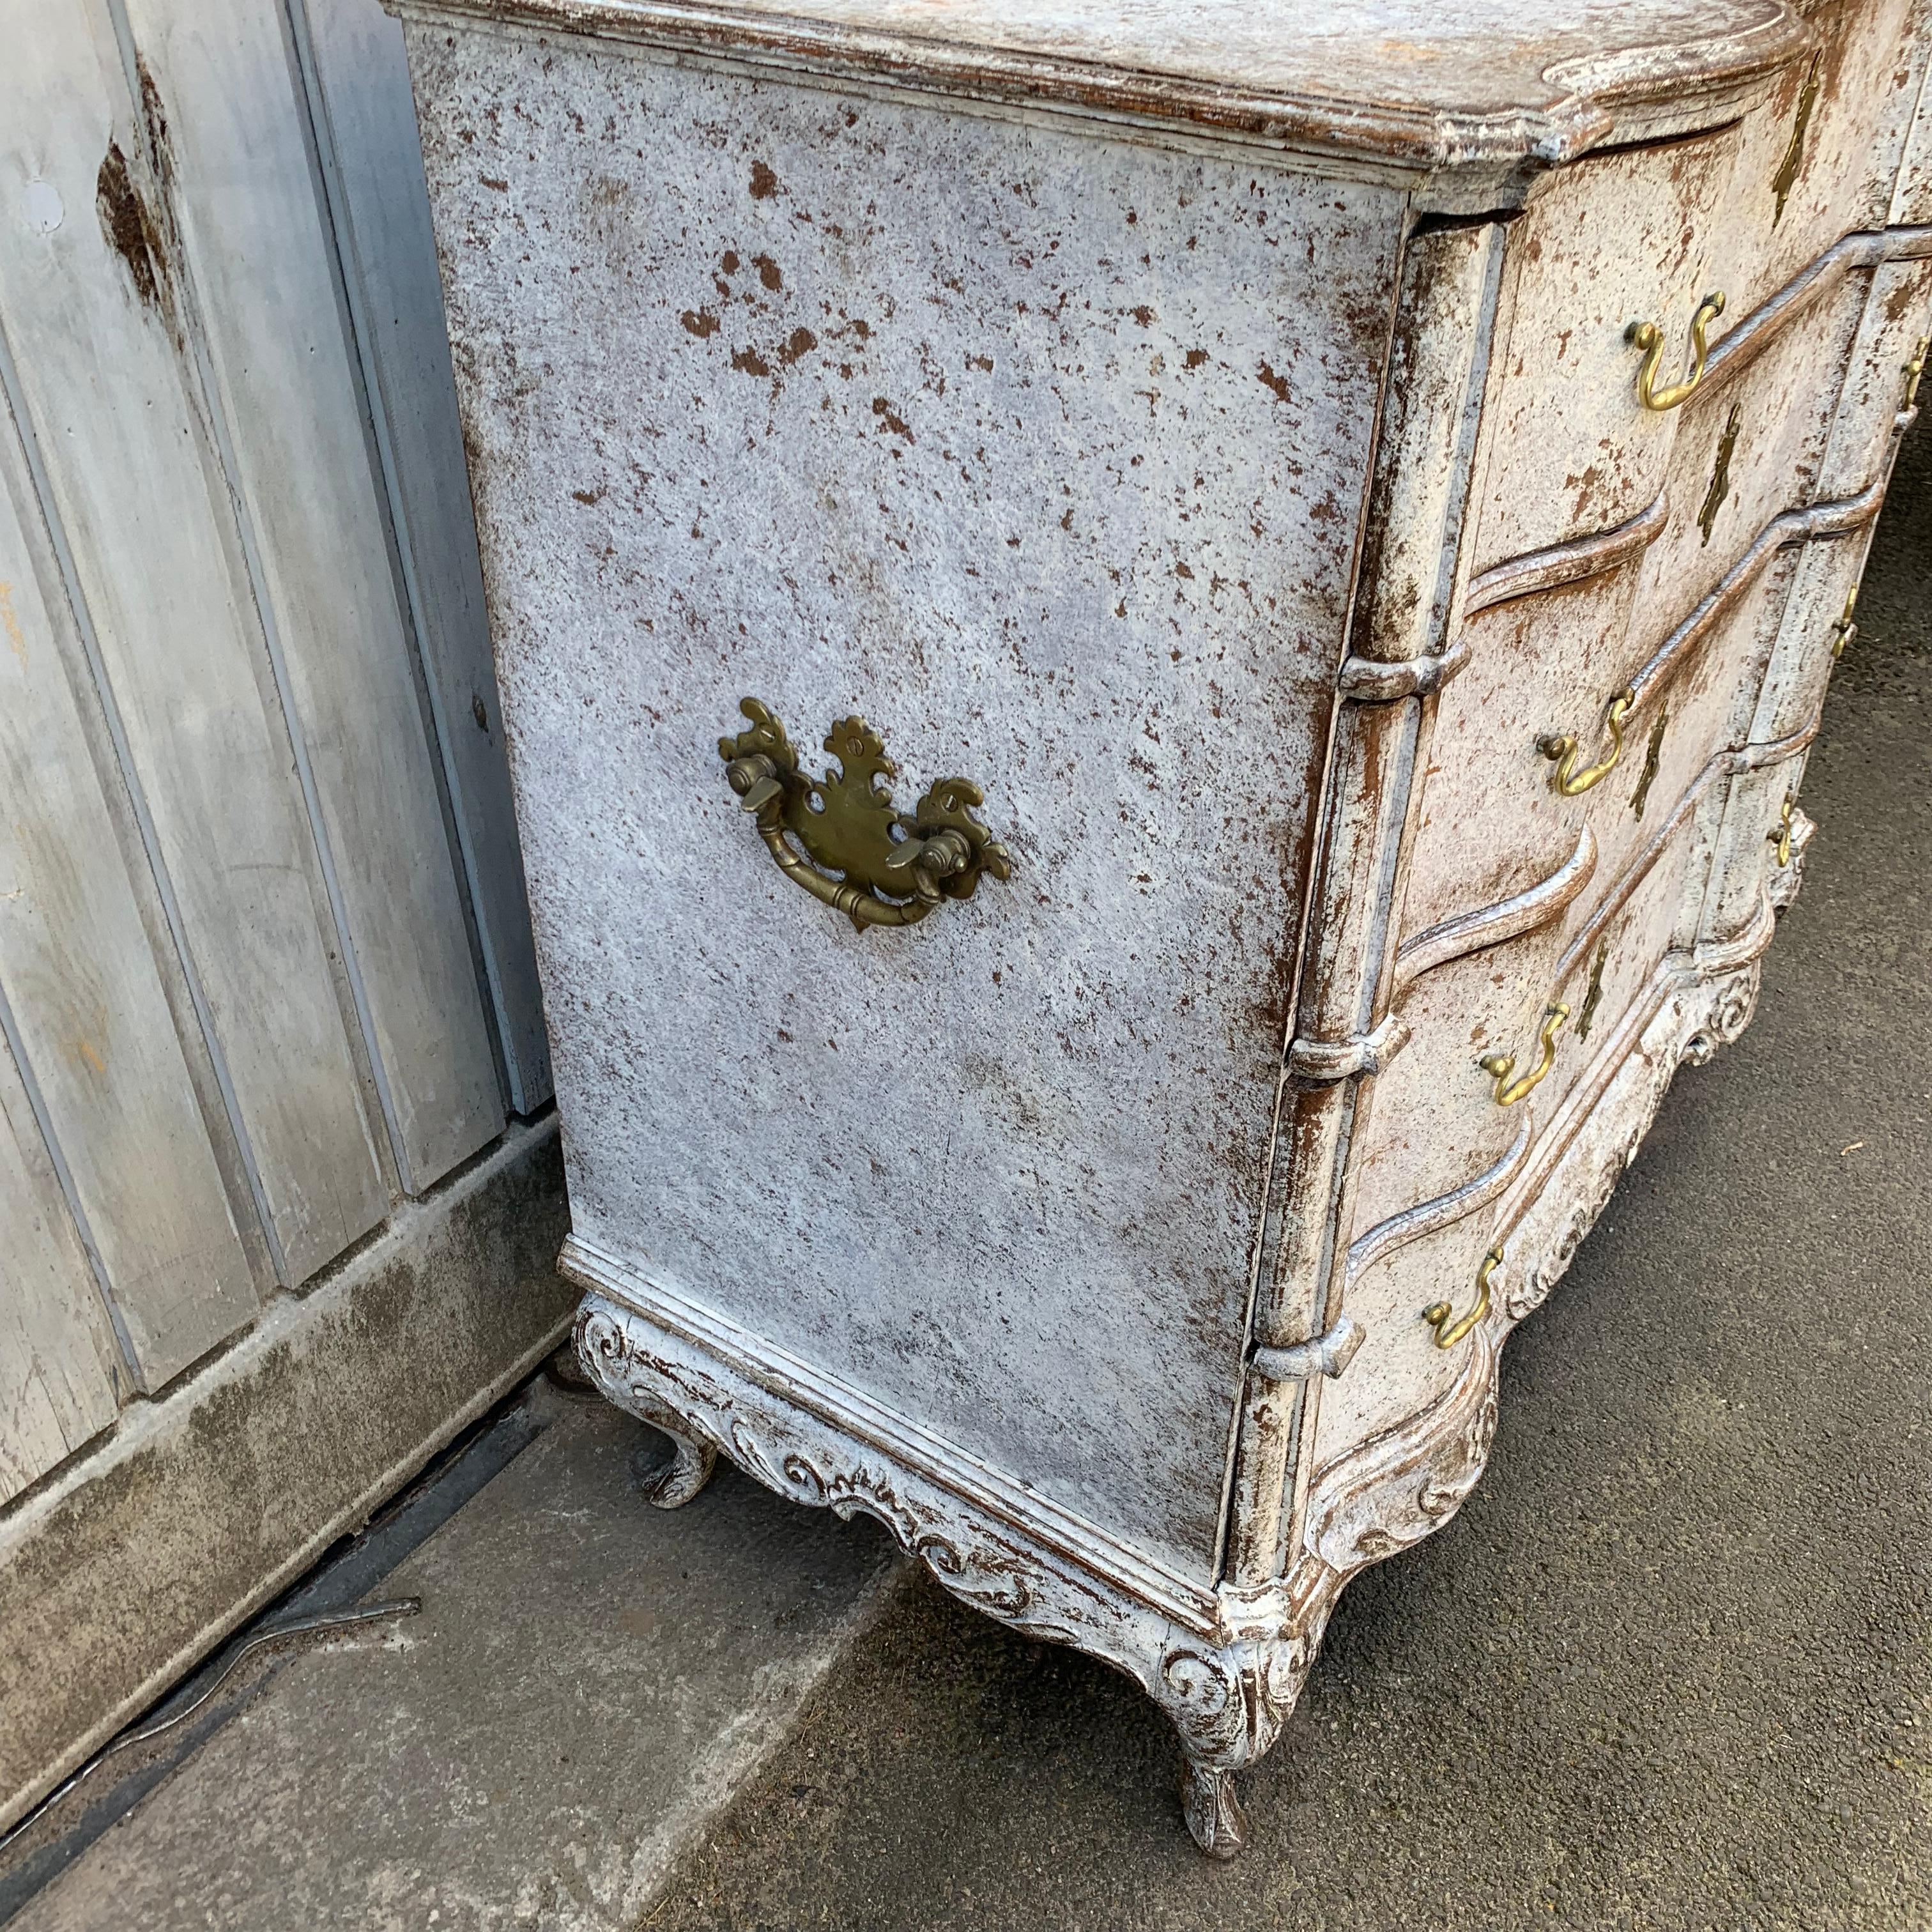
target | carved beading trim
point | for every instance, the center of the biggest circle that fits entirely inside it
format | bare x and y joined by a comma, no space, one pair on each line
1322,1062
1841,516
1490,925
1370,681
1228,1683
1426,1216
1570,562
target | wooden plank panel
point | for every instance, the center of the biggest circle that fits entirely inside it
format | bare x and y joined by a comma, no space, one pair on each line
58,1362
87,998
372,166
92,302
228,102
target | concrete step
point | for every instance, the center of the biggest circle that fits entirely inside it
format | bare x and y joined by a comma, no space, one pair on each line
588,1682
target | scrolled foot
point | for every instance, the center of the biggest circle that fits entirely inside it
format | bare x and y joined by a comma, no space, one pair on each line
1212,1811
669,1485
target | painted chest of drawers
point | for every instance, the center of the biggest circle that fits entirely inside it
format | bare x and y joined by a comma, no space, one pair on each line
1313,539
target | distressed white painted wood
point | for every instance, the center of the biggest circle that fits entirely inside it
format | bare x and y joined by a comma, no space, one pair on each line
84,988
105,341
963,569
61,1372
224,106
830,356
372,171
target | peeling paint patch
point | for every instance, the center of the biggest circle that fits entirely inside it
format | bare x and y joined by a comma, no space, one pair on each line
129,226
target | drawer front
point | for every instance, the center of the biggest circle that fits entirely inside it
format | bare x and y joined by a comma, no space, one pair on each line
1818,619
1748,446
1816,161
1435,1104
1018,497
1625,237
1437,1141
1492,819
1885,369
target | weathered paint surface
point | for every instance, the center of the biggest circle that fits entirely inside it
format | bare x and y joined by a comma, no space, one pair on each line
774,1277
1046,456
239,1004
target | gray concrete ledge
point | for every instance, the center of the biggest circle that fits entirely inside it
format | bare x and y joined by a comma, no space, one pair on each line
136,1559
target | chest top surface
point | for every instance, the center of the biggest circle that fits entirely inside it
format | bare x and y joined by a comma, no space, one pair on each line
1418,82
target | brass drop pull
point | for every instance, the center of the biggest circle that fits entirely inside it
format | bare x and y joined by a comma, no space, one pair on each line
897,866
1501,1066
1914,369
1648,337
1437,1314
1781,833
1563,751
1845,629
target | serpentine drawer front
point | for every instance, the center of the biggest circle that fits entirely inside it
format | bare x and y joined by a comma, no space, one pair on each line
1157,665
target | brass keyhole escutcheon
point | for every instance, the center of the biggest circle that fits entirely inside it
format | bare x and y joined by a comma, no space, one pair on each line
1720,473
1594,998
897,866
1653,756
1786,178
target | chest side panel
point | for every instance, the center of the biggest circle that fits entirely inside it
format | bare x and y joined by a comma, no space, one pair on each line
1045,454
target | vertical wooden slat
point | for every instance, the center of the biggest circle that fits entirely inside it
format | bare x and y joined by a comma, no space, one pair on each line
225,108
86,997
103,343
358,74
58,1356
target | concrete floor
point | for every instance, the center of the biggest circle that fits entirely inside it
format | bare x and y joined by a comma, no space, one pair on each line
588,1683
1671,1666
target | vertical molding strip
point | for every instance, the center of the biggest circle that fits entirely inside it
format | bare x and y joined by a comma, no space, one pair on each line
210,396
10,1031
150,844
348,278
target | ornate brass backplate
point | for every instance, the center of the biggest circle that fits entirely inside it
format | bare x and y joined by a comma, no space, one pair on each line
894,867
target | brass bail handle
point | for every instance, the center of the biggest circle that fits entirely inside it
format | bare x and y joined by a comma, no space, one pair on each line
1846,628
1437,1314
1500,1066
1780,834
840,837
1914,369
1648,337
1565,750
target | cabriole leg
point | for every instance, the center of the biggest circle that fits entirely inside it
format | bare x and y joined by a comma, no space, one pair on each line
671,1485
1213,1809
664,1485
